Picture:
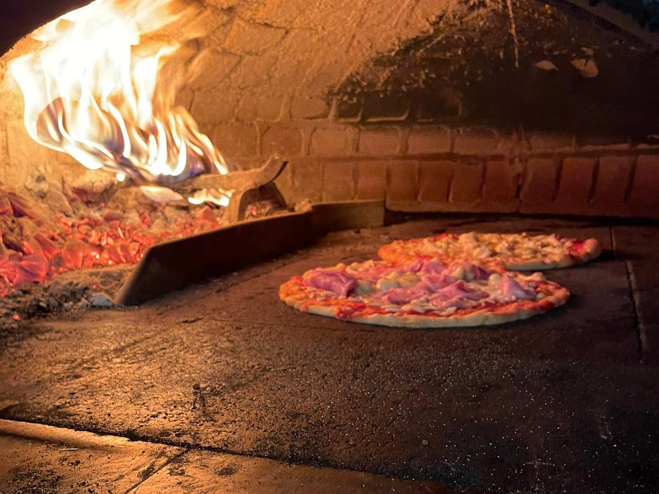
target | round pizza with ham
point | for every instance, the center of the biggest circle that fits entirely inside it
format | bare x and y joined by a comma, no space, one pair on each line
422,294
516,251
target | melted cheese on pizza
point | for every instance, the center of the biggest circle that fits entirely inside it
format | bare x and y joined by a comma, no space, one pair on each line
474,246
421,286
506,246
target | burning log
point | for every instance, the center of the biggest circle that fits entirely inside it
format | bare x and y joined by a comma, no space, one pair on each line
234,181
245,187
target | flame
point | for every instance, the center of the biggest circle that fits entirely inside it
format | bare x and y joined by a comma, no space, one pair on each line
93,91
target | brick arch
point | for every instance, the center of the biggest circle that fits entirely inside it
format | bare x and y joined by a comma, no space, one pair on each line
19,17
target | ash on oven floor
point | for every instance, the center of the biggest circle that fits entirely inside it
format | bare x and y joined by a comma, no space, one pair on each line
566,402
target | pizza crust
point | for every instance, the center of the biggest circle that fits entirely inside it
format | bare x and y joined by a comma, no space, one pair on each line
590,249
295,294
479,318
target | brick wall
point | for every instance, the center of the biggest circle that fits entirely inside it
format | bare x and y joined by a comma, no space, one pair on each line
342,151
428,168
415,167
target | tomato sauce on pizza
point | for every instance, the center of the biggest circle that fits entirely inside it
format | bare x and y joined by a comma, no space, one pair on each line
422,293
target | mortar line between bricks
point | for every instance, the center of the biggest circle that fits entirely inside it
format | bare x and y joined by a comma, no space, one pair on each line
156,471
558,154
638,322
133,436
189,447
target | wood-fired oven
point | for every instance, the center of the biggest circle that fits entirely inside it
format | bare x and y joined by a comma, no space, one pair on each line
149,145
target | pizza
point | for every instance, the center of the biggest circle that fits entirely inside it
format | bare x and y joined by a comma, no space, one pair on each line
422,294
512,250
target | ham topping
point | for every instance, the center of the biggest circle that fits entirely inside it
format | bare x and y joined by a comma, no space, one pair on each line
510,288
420,286
467,271
437,281
457,295
432,267
332,281
402,296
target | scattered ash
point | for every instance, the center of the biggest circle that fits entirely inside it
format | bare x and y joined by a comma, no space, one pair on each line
70,292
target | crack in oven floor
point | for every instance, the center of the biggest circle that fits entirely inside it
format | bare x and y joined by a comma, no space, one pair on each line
563,402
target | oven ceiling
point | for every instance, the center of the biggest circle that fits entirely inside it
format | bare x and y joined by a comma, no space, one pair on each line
18,18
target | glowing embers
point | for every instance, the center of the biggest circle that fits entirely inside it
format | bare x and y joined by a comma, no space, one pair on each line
36,247
101,88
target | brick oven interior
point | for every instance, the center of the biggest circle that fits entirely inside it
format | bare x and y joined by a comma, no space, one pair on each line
397,120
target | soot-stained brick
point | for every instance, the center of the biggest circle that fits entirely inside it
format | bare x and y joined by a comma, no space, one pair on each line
469,69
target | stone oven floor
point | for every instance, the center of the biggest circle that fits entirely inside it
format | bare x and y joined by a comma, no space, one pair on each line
214,383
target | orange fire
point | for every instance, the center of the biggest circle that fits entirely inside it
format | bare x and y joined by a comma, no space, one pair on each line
94,90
